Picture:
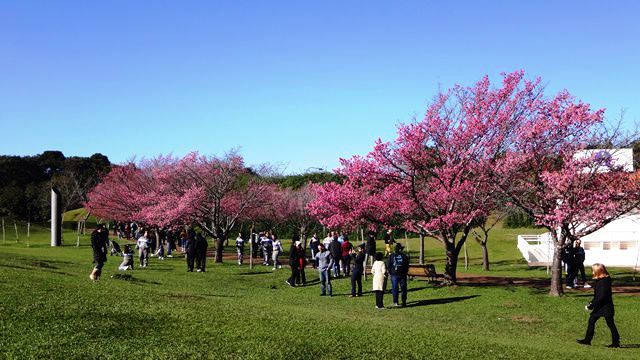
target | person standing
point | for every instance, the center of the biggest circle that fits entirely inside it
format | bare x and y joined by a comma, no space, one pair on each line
313,247
325,262
579,259
335,249
99,239
379,271
240,248
302,263
398,268
267,247
388,242
569,258
294,265
371,246
601,306
190,250
358,269
201,246
347,249
143,249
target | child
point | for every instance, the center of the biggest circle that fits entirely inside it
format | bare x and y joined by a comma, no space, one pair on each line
601,306
379,271
127,259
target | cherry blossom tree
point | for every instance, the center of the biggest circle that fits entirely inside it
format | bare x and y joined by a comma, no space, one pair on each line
433,177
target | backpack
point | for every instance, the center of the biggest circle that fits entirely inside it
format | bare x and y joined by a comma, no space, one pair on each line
399,264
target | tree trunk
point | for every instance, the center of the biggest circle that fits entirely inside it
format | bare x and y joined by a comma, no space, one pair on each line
556,272
421,260
485,256
450,270
219,248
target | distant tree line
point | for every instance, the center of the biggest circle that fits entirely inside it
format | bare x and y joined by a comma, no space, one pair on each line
26,182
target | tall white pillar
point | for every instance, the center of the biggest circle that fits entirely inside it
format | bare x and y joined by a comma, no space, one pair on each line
56,218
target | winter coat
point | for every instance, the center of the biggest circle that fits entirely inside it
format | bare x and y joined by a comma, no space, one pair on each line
602,302
99,245
335,249
379,271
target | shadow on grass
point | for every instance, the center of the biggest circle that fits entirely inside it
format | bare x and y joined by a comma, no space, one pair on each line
630,346
254,273
440,301
387,292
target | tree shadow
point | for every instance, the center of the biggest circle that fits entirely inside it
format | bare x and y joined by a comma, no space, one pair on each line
439,301
254,273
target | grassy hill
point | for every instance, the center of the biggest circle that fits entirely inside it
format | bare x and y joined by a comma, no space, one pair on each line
50,308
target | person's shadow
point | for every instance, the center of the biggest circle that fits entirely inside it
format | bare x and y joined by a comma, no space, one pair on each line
439,301
630,346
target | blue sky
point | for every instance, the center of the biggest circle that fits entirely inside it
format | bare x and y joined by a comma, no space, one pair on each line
298,83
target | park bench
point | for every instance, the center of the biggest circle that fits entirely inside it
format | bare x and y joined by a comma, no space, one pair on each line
424,270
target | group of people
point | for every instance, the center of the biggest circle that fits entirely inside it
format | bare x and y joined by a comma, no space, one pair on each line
149,242
334,254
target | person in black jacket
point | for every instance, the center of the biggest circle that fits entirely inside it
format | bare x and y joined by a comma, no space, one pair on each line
99,239
294,264
569,259
371,247
189,247
201,252
335,249
579,262
398,268
601,306
358,269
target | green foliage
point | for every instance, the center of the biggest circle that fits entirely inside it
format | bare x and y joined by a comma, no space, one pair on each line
518,219
50,309
299,180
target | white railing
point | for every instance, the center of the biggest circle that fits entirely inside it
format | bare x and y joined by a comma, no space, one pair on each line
621,251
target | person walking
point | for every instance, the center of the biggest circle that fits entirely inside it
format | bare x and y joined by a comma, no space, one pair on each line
358,269
294,265
99,239
240,248
398,268
277,250
325,262
201,246
143,249
601,306
267,248
379,271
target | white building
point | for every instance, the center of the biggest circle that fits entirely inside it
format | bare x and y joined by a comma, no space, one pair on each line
617,244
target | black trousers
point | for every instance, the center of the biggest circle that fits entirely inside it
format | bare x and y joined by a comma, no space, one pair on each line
571,274
356,282
591,328
580,269
295,273
379,297
302,278
346,265
190,260
201,261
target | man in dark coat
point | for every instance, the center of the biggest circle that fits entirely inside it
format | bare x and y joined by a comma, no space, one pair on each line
201,246
371,246
190,250
398,267
335,249
99,239
357,271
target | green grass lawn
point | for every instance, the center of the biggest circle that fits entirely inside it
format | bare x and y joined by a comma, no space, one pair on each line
50,309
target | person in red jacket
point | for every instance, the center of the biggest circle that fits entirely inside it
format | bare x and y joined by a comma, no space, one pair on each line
601,306
347,249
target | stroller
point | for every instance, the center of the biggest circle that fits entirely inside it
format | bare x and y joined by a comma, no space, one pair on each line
115,249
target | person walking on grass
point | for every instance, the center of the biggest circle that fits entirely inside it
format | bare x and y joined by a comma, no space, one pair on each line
601,306
379,271
325,262
277,250
99,239
358,269
143,249
201,246
336,253
267,248
240,248
398,268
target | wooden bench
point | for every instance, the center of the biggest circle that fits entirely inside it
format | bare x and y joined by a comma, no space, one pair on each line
424,270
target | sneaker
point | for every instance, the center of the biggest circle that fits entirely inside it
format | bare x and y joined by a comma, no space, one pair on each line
169,255
92,277
569,287
380,308
273,269
587,286
583,342
288,283
396,305
198,270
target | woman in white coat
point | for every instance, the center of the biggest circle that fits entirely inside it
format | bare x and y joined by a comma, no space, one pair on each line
379,271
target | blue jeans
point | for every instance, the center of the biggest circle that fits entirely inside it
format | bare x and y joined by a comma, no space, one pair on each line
325,282
401,282
336,267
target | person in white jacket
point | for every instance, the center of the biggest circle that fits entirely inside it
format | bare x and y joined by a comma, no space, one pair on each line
379,271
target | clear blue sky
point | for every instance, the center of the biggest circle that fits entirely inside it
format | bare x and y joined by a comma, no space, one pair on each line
298,83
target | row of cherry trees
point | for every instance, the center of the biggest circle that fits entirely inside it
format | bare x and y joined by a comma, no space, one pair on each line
214,193
478,148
